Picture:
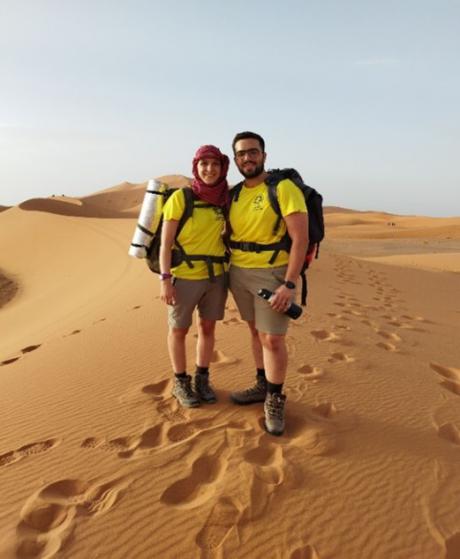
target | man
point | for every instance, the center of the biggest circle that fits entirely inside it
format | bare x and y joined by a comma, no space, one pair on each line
255,264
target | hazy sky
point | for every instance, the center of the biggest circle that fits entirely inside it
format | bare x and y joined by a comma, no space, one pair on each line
362,97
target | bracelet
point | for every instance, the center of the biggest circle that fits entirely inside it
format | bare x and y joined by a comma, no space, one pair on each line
165,276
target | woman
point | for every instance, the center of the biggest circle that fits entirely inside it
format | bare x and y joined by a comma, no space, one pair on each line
199,281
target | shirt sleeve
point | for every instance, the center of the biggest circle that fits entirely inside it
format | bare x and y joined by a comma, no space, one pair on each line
175,206
290,198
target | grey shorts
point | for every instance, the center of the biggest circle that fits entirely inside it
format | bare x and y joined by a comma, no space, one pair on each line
206,296
244,284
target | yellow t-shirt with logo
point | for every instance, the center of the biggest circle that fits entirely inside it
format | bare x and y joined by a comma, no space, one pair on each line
201,234
252,220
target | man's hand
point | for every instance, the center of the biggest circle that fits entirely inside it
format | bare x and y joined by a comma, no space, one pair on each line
168,292
281,299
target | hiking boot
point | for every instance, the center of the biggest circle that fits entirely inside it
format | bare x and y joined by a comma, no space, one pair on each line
184,394
204,390
274,413
256,393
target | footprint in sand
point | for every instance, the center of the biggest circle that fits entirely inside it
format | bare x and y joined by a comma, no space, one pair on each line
200,484
27,450
129,446
325,409
72,333
267,462
24,350
8,361
387,346
449,432
305,552
339,356
151,438
157,390
30,348
453,546
219,359
47,518
136,307
324,335
224,516
389,335
99,320
310,372
171,411
451,376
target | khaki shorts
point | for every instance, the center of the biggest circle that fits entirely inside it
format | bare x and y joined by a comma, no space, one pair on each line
244,284
207,296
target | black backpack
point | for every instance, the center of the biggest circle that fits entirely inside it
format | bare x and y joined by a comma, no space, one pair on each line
178,254
314,202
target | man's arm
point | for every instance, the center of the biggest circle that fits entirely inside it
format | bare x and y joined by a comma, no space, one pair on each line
297,228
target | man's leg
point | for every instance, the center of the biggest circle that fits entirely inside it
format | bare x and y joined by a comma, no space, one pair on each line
256,345
275,358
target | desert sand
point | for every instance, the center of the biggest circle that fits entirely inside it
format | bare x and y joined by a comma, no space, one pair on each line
98,461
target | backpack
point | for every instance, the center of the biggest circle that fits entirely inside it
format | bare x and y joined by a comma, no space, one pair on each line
314,203
178,255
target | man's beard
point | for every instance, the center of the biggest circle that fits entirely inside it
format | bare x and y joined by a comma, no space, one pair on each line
258,170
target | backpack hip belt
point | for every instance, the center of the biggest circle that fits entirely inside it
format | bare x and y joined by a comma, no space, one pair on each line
257,247
208,260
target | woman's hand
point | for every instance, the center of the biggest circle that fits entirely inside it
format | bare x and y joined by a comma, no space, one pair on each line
168,292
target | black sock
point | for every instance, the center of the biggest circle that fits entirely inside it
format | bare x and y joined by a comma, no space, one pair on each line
181,375
202,370
273,388
261,373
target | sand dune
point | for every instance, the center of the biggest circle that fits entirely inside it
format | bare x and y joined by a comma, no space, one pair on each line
121,201
97,459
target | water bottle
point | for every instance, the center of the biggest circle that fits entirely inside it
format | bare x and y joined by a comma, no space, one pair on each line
293,311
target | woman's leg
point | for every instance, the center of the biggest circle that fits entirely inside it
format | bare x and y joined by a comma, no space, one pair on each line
176,347
204,351
205,342
182,390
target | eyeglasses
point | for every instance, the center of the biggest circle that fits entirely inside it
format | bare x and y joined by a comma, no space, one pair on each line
253,152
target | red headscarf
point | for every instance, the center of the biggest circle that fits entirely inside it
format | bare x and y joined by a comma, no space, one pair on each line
216,194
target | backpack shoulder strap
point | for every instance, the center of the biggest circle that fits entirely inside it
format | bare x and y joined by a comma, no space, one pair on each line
275,176
188,198
235,192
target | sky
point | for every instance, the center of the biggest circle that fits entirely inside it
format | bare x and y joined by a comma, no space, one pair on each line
361,97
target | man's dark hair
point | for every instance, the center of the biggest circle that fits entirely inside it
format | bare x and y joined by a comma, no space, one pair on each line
247,136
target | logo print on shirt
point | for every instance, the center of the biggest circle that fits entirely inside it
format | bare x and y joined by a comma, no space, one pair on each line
257,203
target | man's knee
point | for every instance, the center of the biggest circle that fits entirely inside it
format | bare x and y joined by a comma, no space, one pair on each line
272,342
206,327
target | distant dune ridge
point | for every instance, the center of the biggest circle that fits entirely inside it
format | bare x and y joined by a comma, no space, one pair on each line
97,459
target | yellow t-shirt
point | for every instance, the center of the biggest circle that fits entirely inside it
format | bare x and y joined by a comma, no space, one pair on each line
252,220
201,234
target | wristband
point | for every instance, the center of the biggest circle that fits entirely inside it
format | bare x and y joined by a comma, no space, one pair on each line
289,284
164,276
